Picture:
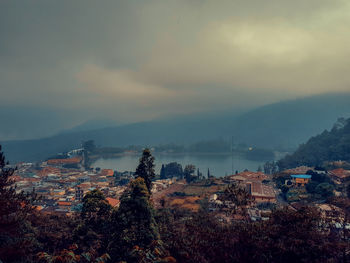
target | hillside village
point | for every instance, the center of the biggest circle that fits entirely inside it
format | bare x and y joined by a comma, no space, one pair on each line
62,189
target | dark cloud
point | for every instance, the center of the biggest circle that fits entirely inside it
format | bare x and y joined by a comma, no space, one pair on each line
133,60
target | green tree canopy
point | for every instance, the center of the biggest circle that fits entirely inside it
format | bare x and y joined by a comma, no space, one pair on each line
93,230
189,173
134,223
325,190
16,234
145,169
238,196
95,206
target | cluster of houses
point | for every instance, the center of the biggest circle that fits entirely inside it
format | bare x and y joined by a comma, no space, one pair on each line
63,183
299,176
260,188
257,184
61,189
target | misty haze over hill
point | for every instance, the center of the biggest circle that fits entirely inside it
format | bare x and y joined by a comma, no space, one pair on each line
280,126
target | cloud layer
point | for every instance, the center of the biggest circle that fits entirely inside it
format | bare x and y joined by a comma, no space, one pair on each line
133,60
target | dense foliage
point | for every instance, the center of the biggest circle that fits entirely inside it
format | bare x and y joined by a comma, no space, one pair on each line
136,232
170,170
289,236
145,169
331,145
15,228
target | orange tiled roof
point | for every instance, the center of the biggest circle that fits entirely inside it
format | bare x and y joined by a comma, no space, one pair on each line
250,175
340,173
63,203
48,170
16,178
65,161
112,201
107,172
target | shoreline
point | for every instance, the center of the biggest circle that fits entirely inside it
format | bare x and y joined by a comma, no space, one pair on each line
240,155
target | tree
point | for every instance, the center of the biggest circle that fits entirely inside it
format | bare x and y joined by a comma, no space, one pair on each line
16,235
162,172
70,256
239,197
173,169
145,169
93,231
189,173
134,223
325,190
95,207
88,148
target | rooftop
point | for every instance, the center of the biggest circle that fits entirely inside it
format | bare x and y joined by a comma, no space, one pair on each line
303,176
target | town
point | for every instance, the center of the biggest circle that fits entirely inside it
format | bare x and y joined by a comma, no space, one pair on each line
62,184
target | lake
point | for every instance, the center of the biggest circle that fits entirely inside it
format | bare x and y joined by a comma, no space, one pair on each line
219,165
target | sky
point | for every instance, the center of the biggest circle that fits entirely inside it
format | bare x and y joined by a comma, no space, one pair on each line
139,60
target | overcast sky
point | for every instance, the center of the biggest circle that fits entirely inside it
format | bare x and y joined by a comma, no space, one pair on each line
134,60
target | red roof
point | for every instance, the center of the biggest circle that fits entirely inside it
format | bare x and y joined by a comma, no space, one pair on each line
340,173
62,203
48,170
251,175
64,161
112,201
107,172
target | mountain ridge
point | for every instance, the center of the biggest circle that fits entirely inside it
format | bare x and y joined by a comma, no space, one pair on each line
283,125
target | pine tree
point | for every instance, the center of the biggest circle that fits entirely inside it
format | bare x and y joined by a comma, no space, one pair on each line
93,231
16,235
145,169
188,173
162,172
134,222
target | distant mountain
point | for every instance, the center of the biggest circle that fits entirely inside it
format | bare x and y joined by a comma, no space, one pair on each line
92,125
286,124
282,126
33,122
330,145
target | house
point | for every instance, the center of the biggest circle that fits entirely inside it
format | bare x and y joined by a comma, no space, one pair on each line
113,202
298,170
79,193
248,175
301,179
107,172
63,206
74,160
261,192
340,175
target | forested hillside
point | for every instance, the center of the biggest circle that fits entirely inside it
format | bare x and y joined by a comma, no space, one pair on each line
333,145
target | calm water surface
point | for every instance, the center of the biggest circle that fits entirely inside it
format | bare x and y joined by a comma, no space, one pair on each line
219,165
